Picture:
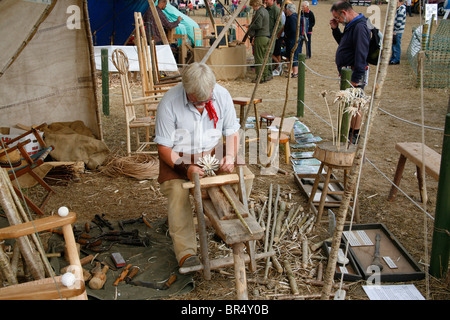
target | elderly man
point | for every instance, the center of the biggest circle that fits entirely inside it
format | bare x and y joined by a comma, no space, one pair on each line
150,24
290,32
191,120
353,48
308,14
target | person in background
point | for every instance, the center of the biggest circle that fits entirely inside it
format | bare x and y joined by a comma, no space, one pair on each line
276,56
274,11
408,7
399,27
308,14
150,24
259,31
353,48
191,120
290,32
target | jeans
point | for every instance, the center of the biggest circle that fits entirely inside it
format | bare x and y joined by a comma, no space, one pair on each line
396,48
308,45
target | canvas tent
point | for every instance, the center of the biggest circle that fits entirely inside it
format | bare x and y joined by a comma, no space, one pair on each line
46,64
112,21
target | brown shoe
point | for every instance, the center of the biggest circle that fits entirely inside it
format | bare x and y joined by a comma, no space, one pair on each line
189,261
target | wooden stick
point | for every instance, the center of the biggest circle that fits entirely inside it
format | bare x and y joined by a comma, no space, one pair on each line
239,271
28,254
360,151
291,277
225,262
305,252
236,210
202,227
280,218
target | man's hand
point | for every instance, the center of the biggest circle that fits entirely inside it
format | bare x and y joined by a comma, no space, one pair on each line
194,168
333,23
179,18
227,164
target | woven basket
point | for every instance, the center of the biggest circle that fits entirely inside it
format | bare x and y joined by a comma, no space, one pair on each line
10,159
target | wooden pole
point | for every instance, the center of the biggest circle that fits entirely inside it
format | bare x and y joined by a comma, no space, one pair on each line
346,75
29,255
301,85
360,150
224,30
105,82
239,271
201,227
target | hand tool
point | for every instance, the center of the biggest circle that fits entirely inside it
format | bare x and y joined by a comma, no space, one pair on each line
133,272
122,276
99,277
376,256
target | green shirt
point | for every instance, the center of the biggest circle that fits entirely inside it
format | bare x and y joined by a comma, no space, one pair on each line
260,23
274,11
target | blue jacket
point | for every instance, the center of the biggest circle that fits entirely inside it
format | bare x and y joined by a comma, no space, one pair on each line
353,47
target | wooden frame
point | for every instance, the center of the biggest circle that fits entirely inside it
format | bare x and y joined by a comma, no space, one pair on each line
224,41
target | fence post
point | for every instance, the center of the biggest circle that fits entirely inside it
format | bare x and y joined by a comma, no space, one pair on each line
105,82
301,85
441,244
346,75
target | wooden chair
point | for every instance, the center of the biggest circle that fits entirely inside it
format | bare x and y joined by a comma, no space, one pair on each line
48,288
120,61
28,163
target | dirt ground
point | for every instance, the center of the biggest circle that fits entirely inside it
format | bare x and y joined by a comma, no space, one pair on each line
122,197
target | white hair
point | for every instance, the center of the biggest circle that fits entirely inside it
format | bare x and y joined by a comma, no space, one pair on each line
198,80
291,7
306,3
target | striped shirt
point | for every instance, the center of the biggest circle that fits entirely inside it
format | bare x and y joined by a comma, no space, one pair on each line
400,18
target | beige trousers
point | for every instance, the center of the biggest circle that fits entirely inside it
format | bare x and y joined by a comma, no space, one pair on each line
180,215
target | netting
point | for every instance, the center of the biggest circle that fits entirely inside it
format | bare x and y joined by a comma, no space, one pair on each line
436,72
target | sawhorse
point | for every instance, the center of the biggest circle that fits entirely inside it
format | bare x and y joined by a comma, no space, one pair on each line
413,152
227,226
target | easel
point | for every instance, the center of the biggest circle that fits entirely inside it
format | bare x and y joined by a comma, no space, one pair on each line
210,201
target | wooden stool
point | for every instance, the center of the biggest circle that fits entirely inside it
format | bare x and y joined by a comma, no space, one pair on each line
268,117
244,102
413,152
325,190
332,158
284,139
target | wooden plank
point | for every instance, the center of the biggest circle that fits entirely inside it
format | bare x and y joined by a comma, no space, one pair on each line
214,181
413,151
232,231
220,202
39,225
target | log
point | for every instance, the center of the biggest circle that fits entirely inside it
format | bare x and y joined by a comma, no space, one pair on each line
328,153
225,262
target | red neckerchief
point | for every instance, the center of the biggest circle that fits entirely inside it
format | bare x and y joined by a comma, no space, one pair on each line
212,112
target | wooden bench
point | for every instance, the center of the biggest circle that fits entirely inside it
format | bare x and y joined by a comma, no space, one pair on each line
413,152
